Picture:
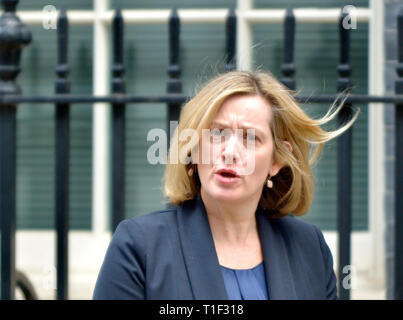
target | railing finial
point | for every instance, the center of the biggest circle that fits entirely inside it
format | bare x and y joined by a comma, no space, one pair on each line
9,5
399,68
118,85
230,40
174,32
174,84
344,68
14,35
287,67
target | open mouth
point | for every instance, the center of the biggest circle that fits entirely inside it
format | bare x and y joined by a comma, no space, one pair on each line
227,173
227,176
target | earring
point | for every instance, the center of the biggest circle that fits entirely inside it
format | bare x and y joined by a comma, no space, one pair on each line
269,183
192,169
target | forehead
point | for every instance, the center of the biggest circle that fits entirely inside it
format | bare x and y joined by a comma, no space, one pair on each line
245,109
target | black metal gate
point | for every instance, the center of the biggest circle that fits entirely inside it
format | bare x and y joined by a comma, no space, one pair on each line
14,36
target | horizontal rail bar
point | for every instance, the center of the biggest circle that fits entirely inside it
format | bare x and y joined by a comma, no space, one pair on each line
178,98
306,15
303,15
171,98
77,17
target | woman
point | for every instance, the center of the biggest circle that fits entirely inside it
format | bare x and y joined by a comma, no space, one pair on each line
230,233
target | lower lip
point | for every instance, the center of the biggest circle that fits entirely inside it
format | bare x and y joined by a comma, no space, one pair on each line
226,180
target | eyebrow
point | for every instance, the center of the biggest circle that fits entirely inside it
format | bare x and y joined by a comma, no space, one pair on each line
244,126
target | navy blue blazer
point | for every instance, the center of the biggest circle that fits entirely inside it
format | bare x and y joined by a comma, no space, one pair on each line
170,254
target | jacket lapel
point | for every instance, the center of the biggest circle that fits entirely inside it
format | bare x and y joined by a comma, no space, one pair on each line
279,278
201,258
199,252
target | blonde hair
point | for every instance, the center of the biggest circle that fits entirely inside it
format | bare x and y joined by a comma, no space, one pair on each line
293,185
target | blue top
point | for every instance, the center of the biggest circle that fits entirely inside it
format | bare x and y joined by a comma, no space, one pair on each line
245,284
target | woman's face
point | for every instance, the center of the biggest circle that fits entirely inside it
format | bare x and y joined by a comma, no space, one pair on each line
235,172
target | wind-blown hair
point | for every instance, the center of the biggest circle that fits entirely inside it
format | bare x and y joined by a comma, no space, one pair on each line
293,185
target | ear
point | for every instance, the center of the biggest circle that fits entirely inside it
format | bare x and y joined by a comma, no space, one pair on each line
288,145
276,167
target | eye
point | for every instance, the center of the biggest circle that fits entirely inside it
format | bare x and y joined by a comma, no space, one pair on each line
250,136
216,136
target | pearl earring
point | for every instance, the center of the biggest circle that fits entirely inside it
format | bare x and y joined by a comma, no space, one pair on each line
269,183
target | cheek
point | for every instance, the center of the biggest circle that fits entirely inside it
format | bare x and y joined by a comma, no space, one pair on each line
263,161
204,166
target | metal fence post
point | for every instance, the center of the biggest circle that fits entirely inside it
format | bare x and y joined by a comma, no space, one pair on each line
344,159
118,124
230,41
174,84
62,160
13,37
398,252
287,67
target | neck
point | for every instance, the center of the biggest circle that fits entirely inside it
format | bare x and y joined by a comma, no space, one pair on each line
232,223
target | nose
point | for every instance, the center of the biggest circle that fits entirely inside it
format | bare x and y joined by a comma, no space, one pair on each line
231,152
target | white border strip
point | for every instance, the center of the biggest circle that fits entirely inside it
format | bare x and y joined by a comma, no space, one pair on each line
100,122
244,40
305,15
376,146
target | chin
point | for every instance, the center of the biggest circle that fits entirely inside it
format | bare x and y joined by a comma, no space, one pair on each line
227,196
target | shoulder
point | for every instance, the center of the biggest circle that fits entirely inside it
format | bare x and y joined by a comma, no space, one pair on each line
306,236
147,228
294,223
307,241
154,220
299,230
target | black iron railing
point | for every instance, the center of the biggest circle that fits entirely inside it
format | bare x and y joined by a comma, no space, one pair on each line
344,161
62,160
118,122
398,251
14,36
